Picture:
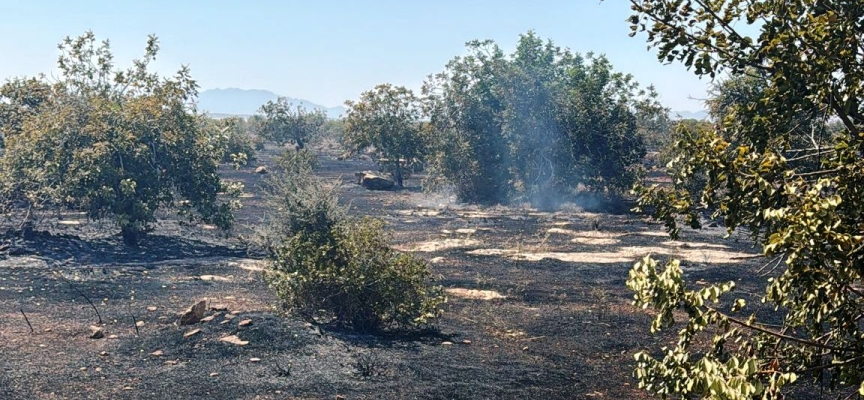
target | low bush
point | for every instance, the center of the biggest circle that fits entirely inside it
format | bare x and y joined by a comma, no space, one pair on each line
332,268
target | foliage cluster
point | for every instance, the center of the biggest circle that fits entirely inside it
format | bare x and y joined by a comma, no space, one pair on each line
283,123
784,162
113,143
330,267
239,146
388,120
535,124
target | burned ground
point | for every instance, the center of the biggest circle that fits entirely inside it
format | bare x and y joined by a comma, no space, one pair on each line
537,306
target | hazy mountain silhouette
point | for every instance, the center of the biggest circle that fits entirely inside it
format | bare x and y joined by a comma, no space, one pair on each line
244,102
699,115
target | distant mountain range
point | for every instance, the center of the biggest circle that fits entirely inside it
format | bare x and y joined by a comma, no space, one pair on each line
699,115
245,102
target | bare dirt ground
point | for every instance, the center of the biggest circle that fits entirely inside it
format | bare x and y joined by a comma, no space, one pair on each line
537,307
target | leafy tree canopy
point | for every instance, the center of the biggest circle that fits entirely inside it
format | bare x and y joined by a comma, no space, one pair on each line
387,119
285,123
114,143
536,123
783,162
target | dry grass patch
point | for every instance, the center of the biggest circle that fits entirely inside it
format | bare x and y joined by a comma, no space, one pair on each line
475,294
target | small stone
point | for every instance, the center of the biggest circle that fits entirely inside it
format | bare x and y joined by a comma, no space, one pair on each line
113,337
139,324
98,369
233,339
194,313
245,322
191,333
157,353
261,170
466,341
96,332
127,387
525,348
208,318
214,374
215,278
229,316
225,322
254,359
82,369
152,308
48,329
103,353
445,343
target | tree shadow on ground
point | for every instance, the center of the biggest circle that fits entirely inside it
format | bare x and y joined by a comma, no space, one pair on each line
390,338
152,248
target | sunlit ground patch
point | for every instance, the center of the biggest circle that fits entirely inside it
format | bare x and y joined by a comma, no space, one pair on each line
591,238
623,255
419,213
474,294
477,214
438,245
652,233
696,245
249,265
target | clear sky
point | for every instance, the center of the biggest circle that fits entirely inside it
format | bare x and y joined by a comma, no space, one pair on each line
327,52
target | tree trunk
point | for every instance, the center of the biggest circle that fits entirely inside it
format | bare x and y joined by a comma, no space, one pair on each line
397,175
131,236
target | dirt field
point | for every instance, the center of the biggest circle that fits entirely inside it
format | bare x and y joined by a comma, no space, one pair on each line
537,307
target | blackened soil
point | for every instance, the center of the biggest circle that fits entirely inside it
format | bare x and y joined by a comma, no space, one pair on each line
561,325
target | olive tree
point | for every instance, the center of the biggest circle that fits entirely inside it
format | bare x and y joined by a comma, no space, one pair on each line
113,143
771,170
388,120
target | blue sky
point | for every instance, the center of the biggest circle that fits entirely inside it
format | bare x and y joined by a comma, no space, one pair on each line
328,52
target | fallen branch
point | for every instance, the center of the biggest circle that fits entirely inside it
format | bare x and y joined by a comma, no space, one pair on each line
135,324
84,296
26,320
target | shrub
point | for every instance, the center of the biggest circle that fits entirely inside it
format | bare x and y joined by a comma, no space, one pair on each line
331,268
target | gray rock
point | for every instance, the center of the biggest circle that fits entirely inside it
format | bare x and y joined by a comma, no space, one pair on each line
372,181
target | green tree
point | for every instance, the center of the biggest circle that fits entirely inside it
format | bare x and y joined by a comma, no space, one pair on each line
534,124
801,200
233,136
387,119
113,143
285,123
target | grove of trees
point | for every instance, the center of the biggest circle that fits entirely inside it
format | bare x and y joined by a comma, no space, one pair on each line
533,126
